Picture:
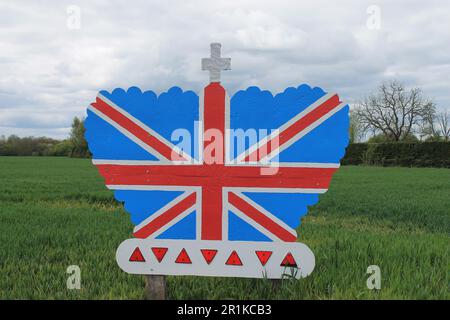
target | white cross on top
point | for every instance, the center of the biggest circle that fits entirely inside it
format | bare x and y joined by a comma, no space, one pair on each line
215,64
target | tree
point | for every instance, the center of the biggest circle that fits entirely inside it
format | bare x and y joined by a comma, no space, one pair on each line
428,131
63,148
76,138
381,138
393,111
436,127
356,131
443,120
27,146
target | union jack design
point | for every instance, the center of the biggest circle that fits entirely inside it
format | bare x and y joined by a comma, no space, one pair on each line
215,191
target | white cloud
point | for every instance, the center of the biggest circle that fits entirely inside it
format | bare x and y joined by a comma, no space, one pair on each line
49,73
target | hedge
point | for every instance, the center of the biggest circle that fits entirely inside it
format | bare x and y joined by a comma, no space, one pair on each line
411,154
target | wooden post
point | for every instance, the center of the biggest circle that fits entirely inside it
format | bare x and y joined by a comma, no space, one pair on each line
155,287
276,284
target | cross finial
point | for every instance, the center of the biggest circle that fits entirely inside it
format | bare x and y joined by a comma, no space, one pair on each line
216,63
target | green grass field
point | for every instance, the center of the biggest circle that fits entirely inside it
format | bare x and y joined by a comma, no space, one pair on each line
56,212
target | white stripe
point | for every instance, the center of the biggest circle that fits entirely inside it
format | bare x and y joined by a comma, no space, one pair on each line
319,165
197,189
198,222
225,230
267,214
278,190
125,162
152,187
227,129
244,164
201,125
162,210
144,127
140,162
305,164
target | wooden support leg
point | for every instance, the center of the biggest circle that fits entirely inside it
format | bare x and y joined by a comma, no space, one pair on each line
155,287
276,284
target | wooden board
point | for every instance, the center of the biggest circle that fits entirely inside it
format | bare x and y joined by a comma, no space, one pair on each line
192,169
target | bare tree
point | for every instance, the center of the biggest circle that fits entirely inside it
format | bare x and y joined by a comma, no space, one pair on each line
428,130
443,120
394,111
356,130
436,127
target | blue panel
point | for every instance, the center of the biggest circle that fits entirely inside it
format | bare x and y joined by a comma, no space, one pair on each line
165,113
326,143
106,142
256,109
184,229
239,230
141,204
288,207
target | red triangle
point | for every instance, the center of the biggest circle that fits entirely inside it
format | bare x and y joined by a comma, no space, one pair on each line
137,256
208,254
159,253
263,256
288,261
183,257
234,259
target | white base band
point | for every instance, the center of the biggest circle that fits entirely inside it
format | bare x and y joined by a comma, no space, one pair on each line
250,267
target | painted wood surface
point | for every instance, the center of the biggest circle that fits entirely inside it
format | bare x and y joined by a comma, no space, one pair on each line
179,164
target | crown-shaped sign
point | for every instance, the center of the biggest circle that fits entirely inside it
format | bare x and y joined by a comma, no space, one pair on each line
217,186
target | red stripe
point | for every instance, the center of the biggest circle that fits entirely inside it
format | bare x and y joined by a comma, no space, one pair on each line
260,218
213,154
212,213
166,217
214,122
216,175
298,126
136,130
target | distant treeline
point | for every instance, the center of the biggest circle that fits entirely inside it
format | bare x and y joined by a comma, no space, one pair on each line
74,146
409,154
403,154
33,146
379,150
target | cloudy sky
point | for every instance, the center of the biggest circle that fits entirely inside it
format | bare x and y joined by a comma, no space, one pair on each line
56,55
